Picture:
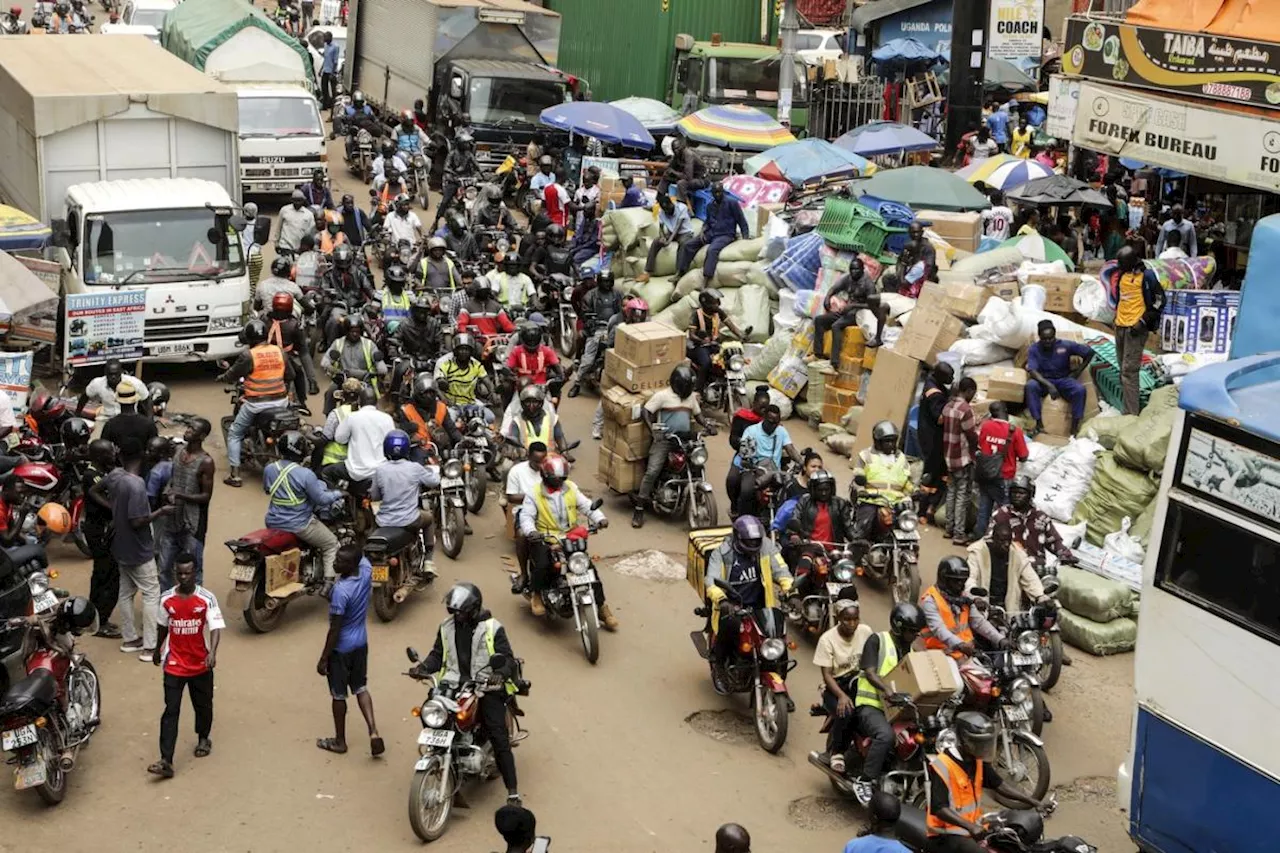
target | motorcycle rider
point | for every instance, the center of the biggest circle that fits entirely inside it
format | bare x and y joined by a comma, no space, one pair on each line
420,335
513,287
551,259
483,313
751,564
285,331
536,422
317,191
458,240
398,484
886,478
355,222
820,518
352,355
1032,529
522,480
599,306
330,451
461,163
388,161
464,645
267,374
853,292
634,310
13,23
704,331
461,379
545,175
1001,567
403,223
280,281
957,778
296,222
670,411
437,271
533,360
426,419
550,511
951,620
358,114
759,457
490,212
396,301
408,138
333,236
296,497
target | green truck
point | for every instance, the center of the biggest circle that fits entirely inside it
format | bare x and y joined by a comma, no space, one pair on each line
714,72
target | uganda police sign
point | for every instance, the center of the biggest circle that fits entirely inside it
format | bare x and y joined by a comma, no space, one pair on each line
1016,29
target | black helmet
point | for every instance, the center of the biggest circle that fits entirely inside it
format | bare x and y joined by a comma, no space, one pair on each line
158,394
281,267
395,273
953,574
682,380
604,280
822,486
530,335
555,232
253,333
710,298
464,599
424,391
421,308
293,446
76,432
343,256
357,99
906,620
78,614
977,734
388,148
884,436
511,259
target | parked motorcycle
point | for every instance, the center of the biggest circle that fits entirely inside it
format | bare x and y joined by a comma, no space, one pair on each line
726,388
682,487
758,666
54,474
259,449
832,570
891,554
24,591
452,746
398,556
573,595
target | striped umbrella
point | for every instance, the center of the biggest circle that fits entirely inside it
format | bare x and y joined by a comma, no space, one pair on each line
734,126
1008,174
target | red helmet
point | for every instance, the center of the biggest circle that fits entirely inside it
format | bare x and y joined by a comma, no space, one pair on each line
45,406
282,303
555,470
635,310
15,11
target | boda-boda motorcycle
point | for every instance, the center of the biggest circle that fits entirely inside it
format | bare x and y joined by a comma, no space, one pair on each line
832,569
890,555
448,504
726,389
573,594
261,442
682,486
1037,637
398,556
1007,831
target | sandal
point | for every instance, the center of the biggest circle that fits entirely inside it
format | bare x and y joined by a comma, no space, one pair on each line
377,747
203,747
161,768
328,744
233,482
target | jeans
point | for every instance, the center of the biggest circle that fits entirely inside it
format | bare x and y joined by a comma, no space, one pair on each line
597,420
657,459
656,247
959,496
172,543
244,419
871,722
143,579
836,324
841,732
1129,343
991,496
318,536
104,582
201,689
590,355
701,358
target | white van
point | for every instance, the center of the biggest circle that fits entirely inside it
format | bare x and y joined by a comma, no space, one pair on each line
171,237
147,13
282,138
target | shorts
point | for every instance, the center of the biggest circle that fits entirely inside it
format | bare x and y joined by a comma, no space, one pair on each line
348,671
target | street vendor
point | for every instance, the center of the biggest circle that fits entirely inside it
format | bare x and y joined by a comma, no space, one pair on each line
1050,371
853,292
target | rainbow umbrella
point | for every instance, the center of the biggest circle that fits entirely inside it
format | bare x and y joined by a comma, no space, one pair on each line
734,126
1006,174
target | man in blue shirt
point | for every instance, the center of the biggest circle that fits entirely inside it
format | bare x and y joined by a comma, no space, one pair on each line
1049,371
634,196
674,225
398,484
329,72
998,121
769,440
345,659
724,220
878,837
295,494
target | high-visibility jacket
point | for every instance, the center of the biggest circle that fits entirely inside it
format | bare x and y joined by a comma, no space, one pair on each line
529,434
424,265
329,242
546,522
333,451
281,492
716,594
888,477
867,694
965,795
482,650
275,334
395,307
266,382
531,364
958,626
708,325
411,413
366,349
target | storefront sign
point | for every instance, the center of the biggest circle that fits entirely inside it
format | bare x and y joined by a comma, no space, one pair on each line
15,377
1016,29
929,24
1064,98
100,326
1230,147
1217,67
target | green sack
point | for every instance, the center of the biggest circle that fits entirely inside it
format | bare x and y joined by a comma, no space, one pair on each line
743,250
690,282
656,291
1114,492
1097,598
749,306
759,274
1141,529
1145,444
622,228
1096,638
1107,428
678,313
767,359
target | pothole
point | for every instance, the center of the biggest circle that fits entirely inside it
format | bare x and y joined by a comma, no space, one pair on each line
821,813
726,726
651,566
1093,790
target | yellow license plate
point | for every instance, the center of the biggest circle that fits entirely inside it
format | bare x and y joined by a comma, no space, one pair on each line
380,574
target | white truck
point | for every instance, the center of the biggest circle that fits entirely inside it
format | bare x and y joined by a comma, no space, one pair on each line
132,156
282,138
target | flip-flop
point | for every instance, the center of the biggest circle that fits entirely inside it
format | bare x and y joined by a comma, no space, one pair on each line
328,744
377,747
203,748
161,768
233,482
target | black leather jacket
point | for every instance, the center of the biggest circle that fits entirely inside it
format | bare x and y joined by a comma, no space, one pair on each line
840,510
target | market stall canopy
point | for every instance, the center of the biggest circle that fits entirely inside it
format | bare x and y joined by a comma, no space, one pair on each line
20,230
23,296
1005,175
1246,19
734,126
1058,190
233,41
999,74
807,161
653,114
599,120
885,137
1137,165
1038,248
923,187
906,51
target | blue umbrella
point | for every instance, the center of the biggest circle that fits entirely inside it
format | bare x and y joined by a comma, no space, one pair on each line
1134,165
885,137
807,160
905,50
600,120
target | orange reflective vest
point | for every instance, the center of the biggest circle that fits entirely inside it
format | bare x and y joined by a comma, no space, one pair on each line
421,433
959,627
709,325
328,242
266,382
965,795
275,335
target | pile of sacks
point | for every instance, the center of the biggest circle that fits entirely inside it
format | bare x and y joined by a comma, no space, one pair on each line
1097,614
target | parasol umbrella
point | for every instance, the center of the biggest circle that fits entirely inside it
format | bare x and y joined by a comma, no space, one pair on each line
807,161
923,187
20,230
1003,74
905,51
978,171
1008,175
599,120
1137,165
1058,190
885,137
734,126
1036,247
652,113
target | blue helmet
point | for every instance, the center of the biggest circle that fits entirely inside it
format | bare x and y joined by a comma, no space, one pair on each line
748,534
396,444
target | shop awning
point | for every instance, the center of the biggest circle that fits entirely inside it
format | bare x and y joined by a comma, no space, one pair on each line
1238,18
872,12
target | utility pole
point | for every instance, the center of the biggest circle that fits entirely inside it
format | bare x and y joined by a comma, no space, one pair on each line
787,71
969,20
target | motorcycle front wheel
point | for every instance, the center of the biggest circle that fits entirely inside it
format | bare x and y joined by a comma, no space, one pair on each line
567,340
452,534
430,800
771,719
81,541
590,632
1051,669
260,618
906,584
703,511
475,492
1025,766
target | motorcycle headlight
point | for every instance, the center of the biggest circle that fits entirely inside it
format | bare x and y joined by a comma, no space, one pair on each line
434,715
579,563
504,246
699,456
843,571
419,161
567,294
907,522
737,363
38,583
773,649
364,137
1028,642
453,468
1020,691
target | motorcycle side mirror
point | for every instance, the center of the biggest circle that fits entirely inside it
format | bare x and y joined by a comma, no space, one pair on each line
412,654
499,662
596,504
261,230
573,446
860,480
978,592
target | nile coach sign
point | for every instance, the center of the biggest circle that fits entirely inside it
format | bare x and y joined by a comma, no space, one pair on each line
1016,29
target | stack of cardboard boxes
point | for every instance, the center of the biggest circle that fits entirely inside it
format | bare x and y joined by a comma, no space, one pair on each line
840,382
641,361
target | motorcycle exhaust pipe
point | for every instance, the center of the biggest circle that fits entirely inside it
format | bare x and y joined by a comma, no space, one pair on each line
400,595
67,761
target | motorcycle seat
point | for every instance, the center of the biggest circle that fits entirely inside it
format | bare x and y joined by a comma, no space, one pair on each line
24,554
34,694
390,539
269,540
911,828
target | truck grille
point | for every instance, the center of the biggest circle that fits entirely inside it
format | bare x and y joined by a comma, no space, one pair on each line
176,328
288,173
257,173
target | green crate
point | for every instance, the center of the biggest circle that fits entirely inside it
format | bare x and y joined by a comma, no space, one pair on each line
1107,380
853,227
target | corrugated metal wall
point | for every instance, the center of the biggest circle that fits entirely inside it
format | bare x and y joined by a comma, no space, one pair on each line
624,47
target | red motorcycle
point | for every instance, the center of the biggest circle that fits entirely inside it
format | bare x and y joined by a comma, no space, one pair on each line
54,473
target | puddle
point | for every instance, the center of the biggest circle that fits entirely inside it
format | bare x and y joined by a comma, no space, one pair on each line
822,813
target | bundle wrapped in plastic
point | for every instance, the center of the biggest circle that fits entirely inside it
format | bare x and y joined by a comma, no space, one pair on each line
657,291
1144,444
978,352
1175,273
1091,300
622,228
759,274
1061,486
1097,598
749,306
797,267
1006,259
1114,493
678,313
759,367
1098,638
808,303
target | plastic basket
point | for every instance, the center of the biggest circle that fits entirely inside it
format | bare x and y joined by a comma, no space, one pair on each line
1107,381
847,225
1105,350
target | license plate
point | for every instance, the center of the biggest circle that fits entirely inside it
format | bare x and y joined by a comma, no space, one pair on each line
903,536
435,737
833,589
18,738
241,572
581,580
170,349
1015,714
1020,659
451,483
380,574
44,602
29,776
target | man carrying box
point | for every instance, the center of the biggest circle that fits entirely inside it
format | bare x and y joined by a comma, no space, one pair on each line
1049,366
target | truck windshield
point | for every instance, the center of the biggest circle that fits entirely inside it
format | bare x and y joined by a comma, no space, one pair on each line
279,117
511,100
747,80
141,247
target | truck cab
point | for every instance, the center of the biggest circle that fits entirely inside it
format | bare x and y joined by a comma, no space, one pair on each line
172,238
715,72
282,138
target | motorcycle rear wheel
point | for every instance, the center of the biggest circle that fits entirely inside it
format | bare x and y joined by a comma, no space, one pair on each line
452,535
475,491
54,787
1051,669
771,719
260,618
384,601
428,818
590,633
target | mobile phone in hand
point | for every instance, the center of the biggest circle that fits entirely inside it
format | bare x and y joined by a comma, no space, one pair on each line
541,844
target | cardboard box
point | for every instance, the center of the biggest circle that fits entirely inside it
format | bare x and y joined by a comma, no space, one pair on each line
962,230
1007,384
1059,289
630,441
1199,321
621,406
850,373
965,300
649,344
1008,290
617,473
1056,416
763,211
852,344
929,332
836,402
633,377
890,393
929,677
932,295
869,359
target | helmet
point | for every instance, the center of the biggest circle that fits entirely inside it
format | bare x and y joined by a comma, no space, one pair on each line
976,733
348,322
45,406
158,394
395,274
250,210
388,149
464,138
403,200
710,298
635,310
253,333
55,517
545,160
293,446
16,11
436,243
78,613
464,599
422,307
905,619
396,444
357,99
884,437
464,340
406,116
530,335
482,289
76,431
282,303
281,267
748,534
554,233
1023,483
604,280
682,380
343,256
822,486
424,391
555,470
510,259
953,574
532,398
332,219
